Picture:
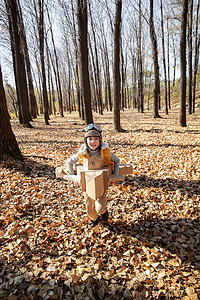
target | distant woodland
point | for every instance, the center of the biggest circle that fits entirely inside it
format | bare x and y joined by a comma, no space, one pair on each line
61,56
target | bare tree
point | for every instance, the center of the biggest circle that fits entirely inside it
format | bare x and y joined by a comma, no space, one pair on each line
49,75
190,25
11,93
77,76
155,59
41,41
106,64
116,66
140,75
183,63
82,19
8,143
96,67
196,57
32,98
18,62
71,27
134,79
53,96
164,62
69,80
57,68
174,53
168,67
57,79
122,83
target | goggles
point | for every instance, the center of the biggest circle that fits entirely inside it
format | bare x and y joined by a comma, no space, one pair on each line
92,126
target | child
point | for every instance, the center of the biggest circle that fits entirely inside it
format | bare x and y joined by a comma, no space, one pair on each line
94,146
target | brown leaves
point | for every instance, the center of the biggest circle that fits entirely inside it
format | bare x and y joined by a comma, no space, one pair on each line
151,248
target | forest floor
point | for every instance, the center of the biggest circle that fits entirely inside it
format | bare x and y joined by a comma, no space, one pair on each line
151,247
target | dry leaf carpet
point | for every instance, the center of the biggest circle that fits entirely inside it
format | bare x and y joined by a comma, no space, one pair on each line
151,247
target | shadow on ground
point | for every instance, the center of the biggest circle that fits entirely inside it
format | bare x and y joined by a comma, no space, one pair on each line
178,236
190,187
30,167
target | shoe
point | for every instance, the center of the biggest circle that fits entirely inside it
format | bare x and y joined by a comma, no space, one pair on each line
104,217
94,223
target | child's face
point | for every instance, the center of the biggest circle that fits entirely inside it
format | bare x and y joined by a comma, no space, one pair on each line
93,142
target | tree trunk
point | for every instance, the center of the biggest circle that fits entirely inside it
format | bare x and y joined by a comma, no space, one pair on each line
77,76
107,66
11,93
32,98
8,143
18,61
134,79
196,57
149,89
155,58
174,68
41,41
116,66
78,90
60,103
53,97
140,75
83,52
164,63
69,79
96,68
122,79
93,80
49,78
190,25
195,73
168,69
94,96
126,92
105,79
38,84
15,70
57,68
183,63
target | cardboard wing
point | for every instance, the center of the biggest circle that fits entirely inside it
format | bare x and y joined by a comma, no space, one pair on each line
94,181
64,174
125,169
61,172
115,178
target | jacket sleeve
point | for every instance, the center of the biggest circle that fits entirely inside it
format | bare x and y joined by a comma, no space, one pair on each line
116,161
70,162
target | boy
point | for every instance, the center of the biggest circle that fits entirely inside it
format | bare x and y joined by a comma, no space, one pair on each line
94,146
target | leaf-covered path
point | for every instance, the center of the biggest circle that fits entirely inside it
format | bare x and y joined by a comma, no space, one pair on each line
150,250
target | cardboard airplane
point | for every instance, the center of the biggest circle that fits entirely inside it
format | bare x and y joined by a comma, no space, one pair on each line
96,179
